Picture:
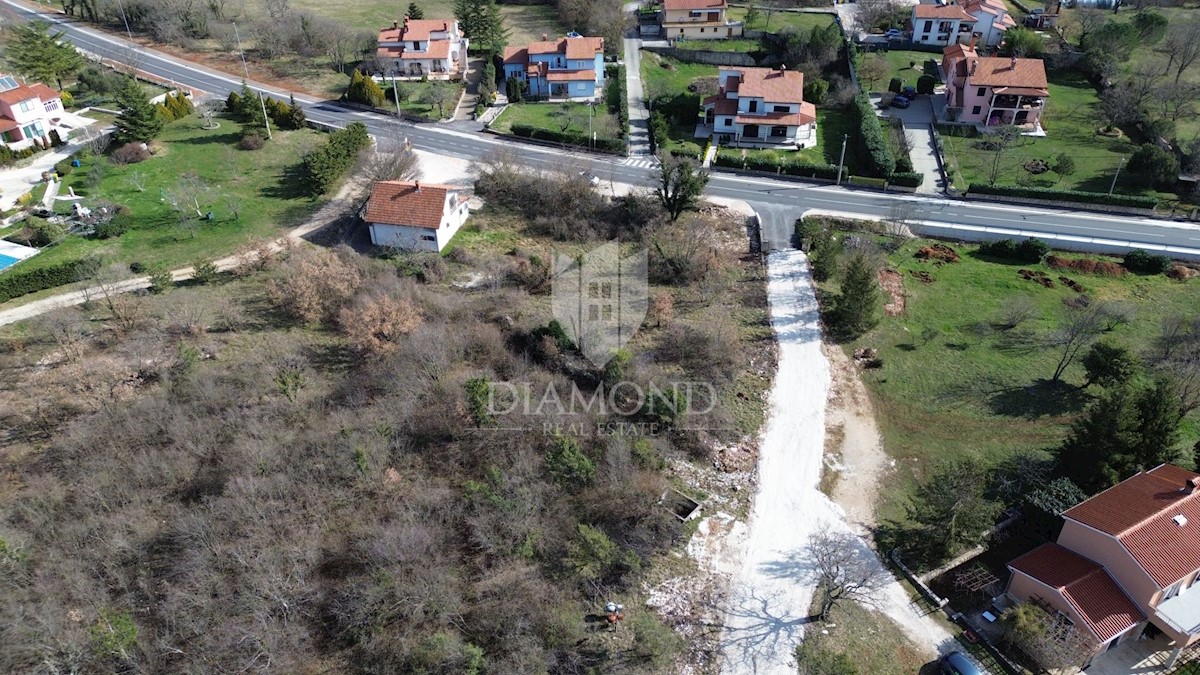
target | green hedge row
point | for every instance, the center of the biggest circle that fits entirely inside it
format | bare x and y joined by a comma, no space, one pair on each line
613,145
1051,194
16,282
325,166
907,178
872,142
789,167
614,96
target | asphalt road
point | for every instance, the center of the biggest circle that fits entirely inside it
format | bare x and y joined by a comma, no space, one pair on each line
778,202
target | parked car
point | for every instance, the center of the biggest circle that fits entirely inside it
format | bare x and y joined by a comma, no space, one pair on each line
894,34
956,663
900,102
909,92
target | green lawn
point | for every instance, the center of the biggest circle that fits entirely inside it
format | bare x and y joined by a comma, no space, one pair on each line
730,45
831,125
412,97
1070,122
866,638
553,115
265,181
525,23
899,61
665,75
800,21
975,388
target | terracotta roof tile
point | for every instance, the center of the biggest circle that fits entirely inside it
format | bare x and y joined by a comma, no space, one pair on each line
571,76
991,71
807,115
43,92
948,12
395,202
1098,599
779,86
584,47
516,54
721,105
694,4
958,51
415,29
23,92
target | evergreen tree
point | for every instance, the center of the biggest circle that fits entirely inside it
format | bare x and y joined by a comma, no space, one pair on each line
1159,411
34,53
414,11
250,111
139,119
856,307
492,36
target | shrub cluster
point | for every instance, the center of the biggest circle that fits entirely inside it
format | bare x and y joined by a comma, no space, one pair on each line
1102,268
17,282
613,145
286,115
1135,201
363,89
1027,251
789,167
614,96
130,153
10,156
872,143
325,166
907,178
175,107
1144,262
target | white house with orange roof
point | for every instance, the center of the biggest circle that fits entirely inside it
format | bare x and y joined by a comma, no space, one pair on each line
28,112
991,21
759,107
567,68
414,217
994,91
431,48
698,20
941,24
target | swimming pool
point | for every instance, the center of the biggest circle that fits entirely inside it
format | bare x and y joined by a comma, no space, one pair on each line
7,261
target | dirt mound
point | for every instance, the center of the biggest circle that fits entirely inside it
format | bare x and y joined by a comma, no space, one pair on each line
1182,272
892,283
922,276
1039,277
1072,284
939,253
1103,268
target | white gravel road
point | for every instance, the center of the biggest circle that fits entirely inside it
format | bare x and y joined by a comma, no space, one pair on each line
771,594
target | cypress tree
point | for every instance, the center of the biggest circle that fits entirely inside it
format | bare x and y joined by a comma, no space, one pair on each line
856,307
414,11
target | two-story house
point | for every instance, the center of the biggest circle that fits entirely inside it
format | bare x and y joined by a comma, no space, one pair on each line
941,24
759,107
698,20
991,21
568,68
27,112
431,48
994,91
414,217
1126,562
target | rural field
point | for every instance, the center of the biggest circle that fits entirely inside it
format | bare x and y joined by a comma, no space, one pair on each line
956,380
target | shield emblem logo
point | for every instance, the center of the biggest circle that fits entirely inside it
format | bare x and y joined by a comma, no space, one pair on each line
600,299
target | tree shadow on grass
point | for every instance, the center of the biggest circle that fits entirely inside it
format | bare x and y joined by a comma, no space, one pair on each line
1043,398
225,140
291,185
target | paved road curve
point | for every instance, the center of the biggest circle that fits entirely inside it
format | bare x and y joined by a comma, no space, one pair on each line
784,201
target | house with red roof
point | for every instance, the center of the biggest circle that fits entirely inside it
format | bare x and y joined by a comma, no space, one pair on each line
941,24
28,112
991,21
1126,563
432,48
568,68
759,107
993,91
698,20
413,216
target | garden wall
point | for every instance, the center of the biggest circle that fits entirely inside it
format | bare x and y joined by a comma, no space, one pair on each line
1105,208
702,56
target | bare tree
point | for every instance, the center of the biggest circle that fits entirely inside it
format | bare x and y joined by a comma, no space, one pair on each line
67,331
1182,47
875,13
846,570
190,196
999,144
1079,328
871,70
277,9
392,158
136,180
1015,311
208,110
901,215
1049,638
1175,102
234,202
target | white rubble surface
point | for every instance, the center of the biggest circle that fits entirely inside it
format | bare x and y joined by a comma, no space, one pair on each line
771,590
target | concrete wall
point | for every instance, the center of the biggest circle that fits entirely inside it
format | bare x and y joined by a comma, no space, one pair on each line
701,56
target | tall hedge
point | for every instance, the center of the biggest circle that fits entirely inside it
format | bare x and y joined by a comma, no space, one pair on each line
872,141
787,167
17,282
611,145
325,166
1051,194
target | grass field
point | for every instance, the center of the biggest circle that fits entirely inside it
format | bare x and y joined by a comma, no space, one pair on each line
412,97
977,389
744,45
871,642
1070,125
264,181
551,116
899,61
526,23
800,21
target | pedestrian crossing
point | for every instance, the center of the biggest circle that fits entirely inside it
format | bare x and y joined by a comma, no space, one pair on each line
642,162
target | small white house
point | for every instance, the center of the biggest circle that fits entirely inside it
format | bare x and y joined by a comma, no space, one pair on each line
414,217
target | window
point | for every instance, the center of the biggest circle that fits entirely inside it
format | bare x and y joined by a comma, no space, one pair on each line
7,83
780,108
1170,593
32,131
753,106
779,132
52,104
416,45
695,14
928,26
982,91
975,110
428,237
26,106
728,122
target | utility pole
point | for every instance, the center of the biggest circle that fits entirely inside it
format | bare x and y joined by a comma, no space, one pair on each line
396,91
842,159
1118,173
246,68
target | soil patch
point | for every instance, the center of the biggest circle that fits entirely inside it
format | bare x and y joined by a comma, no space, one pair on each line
892,282
938,253
855,461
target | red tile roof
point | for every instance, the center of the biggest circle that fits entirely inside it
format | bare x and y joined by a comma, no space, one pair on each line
415,29
807,115
572,48
7,124
947,12
773,86
1089,589
25,92
397,202
721,105
571,75
1140,513
994,71
516,54
958,51
694,4
43,92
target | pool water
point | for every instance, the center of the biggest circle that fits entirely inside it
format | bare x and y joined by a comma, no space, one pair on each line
7,261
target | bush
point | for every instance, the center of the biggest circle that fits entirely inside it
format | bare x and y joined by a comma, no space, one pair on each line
16,282
816,90
1027,251
907,178
39,232
895,85
789,167
1144,262
610,145
130,153
161,280
204,271
326,165
363,89
252,141
926,84
1135,201
872,142
1151,165
64,168
116,227
233,104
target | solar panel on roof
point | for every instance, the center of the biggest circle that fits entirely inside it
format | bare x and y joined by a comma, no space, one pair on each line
7,83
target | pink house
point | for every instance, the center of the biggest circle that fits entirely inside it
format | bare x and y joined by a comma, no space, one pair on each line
1126,563
27,111
994,91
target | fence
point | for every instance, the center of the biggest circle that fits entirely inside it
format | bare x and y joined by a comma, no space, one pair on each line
704,56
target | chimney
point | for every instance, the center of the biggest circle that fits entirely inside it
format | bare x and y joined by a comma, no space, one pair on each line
1192,485
418,184
395,25
971,45
545,37
1013,63
974,65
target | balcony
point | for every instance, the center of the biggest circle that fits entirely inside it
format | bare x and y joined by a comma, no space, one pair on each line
1182,612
